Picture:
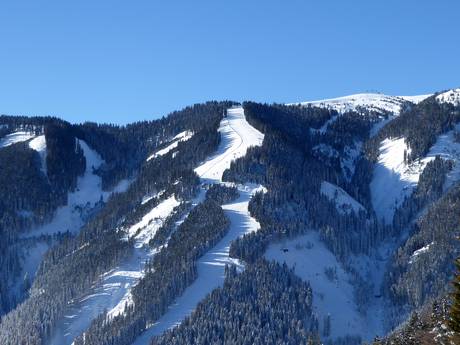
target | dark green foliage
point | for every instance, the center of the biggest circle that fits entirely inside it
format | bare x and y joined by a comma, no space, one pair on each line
427,326
23,187
222,194
454,316
266,304
430,188
413,280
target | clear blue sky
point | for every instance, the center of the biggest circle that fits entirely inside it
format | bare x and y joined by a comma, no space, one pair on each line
120,61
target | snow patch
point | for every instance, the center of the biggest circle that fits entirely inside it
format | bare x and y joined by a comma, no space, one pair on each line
16,137
420,251
393,179
39,144
145,229
79,202
332,291
183,136
344,203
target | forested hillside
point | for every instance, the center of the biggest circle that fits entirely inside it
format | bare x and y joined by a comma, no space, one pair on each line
329,222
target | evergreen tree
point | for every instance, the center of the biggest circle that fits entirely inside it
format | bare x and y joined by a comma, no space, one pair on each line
454,321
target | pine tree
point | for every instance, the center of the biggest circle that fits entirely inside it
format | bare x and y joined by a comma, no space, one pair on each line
454,321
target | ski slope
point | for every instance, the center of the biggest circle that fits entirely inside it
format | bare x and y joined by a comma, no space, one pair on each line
211,266
237,135
70,217
393,180
114,292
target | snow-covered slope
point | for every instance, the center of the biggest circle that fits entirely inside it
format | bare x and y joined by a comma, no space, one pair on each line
237,135
343,201
393,179
451,96
332,291
69,217
113,293
88,192
183,136
371,101
211,266
15,137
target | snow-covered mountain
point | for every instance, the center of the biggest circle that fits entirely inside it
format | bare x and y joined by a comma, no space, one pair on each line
370,101
156,233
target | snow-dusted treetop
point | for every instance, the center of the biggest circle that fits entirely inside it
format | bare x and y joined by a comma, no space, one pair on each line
451,96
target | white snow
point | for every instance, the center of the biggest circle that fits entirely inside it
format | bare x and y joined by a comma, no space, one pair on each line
310,258
420,251
145,229
15,137
151,196
371,101
393,180
183,136
451,96
416,99
39,144
345,203
236,136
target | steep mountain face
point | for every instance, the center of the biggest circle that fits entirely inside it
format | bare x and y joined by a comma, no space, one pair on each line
328,221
